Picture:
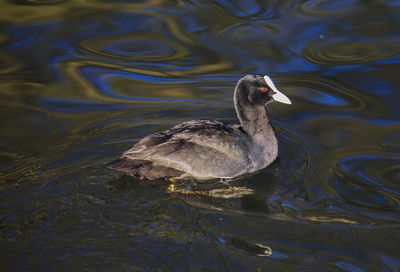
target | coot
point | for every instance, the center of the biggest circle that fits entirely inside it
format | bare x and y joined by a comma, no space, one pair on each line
208,149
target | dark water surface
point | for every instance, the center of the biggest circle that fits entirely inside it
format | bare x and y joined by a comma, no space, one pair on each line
82,81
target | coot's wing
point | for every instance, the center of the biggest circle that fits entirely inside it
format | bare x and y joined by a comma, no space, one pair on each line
202,148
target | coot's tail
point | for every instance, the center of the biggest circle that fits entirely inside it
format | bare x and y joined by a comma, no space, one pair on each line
123,164
142,169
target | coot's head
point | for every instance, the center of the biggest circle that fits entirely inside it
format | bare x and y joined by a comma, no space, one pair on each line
258,90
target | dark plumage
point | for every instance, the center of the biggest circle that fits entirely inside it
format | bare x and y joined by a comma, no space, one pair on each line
206,149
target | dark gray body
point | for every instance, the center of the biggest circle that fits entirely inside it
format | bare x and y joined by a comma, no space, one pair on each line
207,149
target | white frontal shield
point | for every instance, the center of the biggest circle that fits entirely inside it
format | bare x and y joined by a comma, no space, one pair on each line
278,96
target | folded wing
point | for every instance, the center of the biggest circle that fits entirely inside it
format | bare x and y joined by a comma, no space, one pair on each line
201,148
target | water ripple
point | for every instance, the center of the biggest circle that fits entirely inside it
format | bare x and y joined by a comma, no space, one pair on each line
249,10
245,33
329,8
164,44
131,48
350,52
37,2
368,181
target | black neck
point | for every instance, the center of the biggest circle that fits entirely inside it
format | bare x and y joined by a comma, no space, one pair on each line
253,118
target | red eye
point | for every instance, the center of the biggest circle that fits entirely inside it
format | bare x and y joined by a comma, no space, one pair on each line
263,89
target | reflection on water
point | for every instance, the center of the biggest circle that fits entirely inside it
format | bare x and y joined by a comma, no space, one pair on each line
82,81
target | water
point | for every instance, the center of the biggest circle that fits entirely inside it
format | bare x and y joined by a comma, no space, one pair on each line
82,81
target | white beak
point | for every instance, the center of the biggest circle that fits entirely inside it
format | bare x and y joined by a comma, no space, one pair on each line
278,96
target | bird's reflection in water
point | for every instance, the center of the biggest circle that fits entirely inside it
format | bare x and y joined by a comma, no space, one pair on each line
240,195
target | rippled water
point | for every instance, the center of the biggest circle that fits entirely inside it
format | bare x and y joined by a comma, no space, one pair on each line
81,81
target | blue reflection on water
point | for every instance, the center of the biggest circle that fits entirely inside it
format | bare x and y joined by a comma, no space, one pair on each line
243,9
92,73
193,24
130,21
221,240
357,166
384,91
374,86
327,99
389,261
24,39
4,165
77,106
362,194
306,34
100,78
23,36
131,47
333,70
349,267
384,122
